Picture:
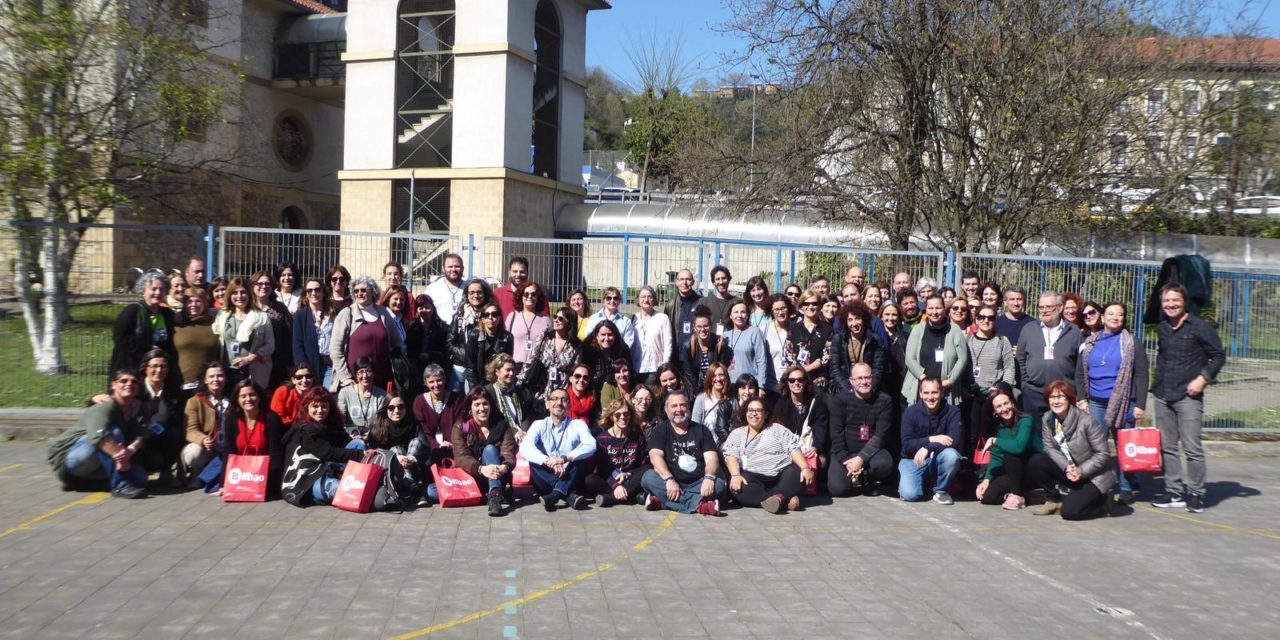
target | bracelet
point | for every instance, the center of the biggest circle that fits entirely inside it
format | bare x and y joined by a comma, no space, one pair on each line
709,477
668,478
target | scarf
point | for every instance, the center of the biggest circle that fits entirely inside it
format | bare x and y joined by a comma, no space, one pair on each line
580,408
1114,418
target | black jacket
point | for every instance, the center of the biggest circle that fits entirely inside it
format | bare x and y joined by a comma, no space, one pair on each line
428,343
839,367
309,447
849,414
784,413
691,357
306,347
133,337
479,352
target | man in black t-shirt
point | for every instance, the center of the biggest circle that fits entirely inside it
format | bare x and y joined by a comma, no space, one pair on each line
686,464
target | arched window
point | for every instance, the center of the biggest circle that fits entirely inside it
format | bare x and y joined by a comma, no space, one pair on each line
546,91
424,83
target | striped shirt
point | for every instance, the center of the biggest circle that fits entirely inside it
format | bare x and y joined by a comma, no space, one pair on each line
767,454
992,361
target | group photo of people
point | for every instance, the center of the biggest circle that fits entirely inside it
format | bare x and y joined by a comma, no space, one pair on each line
690,401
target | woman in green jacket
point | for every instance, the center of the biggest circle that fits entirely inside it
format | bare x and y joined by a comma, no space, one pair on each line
936,349
1005,481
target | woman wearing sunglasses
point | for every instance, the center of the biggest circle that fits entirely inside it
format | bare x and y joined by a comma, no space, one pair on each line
992,368
286,402
312,330
485,340
364,330
809,343
466,316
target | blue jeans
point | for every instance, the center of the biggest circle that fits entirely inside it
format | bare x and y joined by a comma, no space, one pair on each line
326,486
86,460
546,481
911,480
690,494
1099,412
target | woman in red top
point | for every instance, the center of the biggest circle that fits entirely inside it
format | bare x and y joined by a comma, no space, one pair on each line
583,405
286,402
253,430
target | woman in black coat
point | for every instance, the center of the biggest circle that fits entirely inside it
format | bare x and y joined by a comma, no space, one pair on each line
317,449
801,410
252,429
853,342
484,341
145,325
427,336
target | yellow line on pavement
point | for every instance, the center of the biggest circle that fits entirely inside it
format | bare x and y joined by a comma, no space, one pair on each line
538,595
1262,533
10,467
93,498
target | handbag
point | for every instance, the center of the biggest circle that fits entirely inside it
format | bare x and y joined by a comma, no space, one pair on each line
522,475
1139,450
246,478
455,487
358,487
812,461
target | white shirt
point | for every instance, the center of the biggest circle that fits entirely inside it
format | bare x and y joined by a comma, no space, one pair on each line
652,342
446,297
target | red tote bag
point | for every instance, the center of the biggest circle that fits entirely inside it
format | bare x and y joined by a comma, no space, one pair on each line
455,487
1139,450
522,475
812,461
245,478
358,487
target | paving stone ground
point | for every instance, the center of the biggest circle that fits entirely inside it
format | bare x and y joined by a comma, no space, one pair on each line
189,566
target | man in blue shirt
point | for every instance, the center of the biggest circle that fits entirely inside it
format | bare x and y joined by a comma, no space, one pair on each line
558,450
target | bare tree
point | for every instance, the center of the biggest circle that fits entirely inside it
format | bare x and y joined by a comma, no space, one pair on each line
962,124
98,99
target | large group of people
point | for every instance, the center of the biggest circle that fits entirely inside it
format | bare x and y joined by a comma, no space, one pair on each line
897,387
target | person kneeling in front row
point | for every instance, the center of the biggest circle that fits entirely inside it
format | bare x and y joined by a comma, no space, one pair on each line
766,468
930,434
558,449
860,425
1075,455
114,432
685,463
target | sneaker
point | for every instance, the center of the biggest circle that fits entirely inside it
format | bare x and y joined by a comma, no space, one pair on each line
1195,503
1013,502
607,500
423,502
1169,501
1049,508
577,502
709,508
1126,498
654,504
872,490
495,504
549,501
942,497
129,492
772,504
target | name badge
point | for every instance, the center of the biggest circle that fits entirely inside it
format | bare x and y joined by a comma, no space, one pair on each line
733,364
864,432
977,372
1048,352
937,355
439,438
528,345
686,328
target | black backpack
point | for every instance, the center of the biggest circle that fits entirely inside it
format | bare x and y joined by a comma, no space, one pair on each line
397,486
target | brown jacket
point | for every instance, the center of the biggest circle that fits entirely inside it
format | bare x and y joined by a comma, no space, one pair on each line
468,446
202,419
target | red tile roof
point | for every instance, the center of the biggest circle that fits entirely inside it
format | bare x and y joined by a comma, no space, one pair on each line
1257,54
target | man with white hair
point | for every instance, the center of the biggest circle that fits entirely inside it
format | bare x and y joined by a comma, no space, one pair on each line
1047,351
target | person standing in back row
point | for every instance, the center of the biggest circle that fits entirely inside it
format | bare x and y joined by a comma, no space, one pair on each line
1010,323
1050,349
680,310
1188,358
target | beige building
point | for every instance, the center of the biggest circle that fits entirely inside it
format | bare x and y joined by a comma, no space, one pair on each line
463,117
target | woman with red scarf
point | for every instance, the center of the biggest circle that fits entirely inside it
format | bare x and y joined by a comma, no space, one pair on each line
582,404
253,430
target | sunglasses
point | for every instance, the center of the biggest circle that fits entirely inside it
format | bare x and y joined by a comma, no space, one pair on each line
529,294
491,315
809,305
475,293
360,290
1090,313
310,290
304,376
611,298
578,376
262,284
795,380
395,407
793,294
986,318
337,279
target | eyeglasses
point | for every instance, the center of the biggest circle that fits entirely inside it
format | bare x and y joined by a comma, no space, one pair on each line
491,315
808,305
1057,396
529,294
262,284
562,398
779,309
795,380
360,290
754,410
158,366
475,293
1048,307
364,372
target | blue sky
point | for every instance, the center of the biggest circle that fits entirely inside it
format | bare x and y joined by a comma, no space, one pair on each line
694,22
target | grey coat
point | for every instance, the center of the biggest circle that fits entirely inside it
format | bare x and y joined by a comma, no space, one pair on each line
1033,369
1087,443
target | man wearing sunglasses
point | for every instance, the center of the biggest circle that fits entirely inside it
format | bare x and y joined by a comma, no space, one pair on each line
610,303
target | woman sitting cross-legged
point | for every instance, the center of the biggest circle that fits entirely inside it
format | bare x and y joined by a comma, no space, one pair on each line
1016,440
766,467
621,456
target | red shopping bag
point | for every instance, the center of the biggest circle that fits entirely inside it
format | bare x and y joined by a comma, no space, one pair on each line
245,479
981,453
1139,450
358,487
522,475
812,461
455,487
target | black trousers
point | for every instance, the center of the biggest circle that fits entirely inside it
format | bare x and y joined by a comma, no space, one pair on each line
598,485
1011,478
1083,502
758,487
877,470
